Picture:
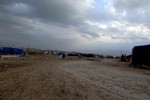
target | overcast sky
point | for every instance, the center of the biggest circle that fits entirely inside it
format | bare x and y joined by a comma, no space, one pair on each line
75,24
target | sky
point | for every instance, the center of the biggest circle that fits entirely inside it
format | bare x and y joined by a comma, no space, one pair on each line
75,24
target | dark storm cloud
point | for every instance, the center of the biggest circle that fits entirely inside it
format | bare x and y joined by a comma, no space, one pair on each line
58,11
68,23
13,23
14,28
53,10
91,30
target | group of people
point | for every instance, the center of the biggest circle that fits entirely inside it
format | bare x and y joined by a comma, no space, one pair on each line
124,57
63,56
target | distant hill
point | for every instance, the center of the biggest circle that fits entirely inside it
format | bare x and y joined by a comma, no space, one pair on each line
107,52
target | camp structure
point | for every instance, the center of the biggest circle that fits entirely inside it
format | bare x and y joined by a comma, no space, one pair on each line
141,55
11,51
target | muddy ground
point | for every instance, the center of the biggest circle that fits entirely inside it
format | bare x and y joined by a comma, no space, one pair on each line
53,78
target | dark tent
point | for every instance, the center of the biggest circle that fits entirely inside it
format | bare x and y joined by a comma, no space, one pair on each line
7,50
11,51
141,55
17,51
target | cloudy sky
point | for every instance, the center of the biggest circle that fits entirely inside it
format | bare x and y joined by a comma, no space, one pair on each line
75,24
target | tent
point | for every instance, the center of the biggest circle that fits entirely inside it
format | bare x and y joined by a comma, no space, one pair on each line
141,55
11,51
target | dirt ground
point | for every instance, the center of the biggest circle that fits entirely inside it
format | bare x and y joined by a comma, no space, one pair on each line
53,78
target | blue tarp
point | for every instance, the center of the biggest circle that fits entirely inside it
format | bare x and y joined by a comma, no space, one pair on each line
12,51
1,51
6,51
17,51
